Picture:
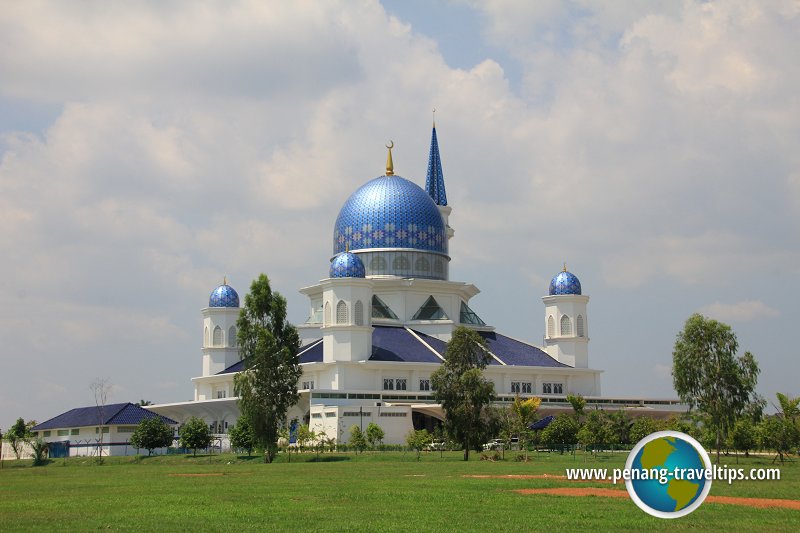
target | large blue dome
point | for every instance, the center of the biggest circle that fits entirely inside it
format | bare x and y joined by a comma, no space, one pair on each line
223,296
565,283
347,265
390,212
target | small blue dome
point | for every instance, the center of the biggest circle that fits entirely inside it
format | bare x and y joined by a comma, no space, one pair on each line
347,265
390,212
565,283
223,296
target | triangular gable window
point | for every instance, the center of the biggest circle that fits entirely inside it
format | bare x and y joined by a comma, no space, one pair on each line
468,316
430,310
381,310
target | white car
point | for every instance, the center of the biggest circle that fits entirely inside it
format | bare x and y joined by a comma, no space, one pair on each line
494,444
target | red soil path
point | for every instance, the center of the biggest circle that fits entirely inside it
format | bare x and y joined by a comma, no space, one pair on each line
761,503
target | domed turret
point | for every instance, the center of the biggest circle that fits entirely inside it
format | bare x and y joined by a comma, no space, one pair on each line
224,296
347,265
565,283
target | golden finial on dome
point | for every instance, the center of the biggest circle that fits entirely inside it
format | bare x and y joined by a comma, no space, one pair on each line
389,163
224,280
565,266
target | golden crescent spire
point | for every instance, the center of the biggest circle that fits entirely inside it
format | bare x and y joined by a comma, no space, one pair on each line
565,266
389,162
224,280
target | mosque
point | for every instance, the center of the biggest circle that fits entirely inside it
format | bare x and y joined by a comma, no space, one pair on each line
378,325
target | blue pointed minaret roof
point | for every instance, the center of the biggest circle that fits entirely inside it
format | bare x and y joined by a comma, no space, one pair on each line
434,183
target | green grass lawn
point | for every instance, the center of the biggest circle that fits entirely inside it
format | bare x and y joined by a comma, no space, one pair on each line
345,492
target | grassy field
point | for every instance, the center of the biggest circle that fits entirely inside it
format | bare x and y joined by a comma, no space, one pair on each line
369,492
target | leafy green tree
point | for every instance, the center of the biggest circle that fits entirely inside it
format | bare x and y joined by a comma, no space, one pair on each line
152,433
709,376
461,389
267,387
241,435
620,425
358,440
305,435
595,433
417,440
18,435
578,404
524,412
375,434
781,432
643,426
561,433
195,434
742,436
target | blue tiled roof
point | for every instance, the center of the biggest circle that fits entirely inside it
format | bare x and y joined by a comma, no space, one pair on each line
235,367
347,265
312,354
517,353
223,296
565,283
397,344
113,414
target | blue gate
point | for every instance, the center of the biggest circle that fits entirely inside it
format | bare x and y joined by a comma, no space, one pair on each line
58,449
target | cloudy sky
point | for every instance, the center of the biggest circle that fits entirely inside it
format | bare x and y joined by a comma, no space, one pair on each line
149,148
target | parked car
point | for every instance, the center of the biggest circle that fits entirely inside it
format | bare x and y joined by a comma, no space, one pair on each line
494,444
436,446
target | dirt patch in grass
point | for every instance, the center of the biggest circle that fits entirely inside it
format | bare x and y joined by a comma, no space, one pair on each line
761,503
534,476
197,475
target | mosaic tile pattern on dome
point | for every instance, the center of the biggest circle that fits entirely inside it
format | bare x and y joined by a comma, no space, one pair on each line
390,212
223,296
347,265
565,283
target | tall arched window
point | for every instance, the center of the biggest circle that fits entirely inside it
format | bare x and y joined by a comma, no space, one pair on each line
566,326
327,313
217,336
232,337
579,325
358,313
205,337
401,263
551,326
377,264
438,266
341,312
422,265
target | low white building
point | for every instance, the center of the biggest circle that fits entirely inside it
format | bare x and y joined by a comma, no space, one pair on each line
379,323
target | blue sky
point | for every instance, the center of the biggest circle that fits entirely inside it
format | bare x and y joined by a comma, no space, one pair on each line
148,149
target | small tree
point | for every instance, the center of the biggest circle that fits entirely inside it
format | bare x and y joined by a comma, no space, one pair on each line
742,437
578,404
195,434
304,436
18,435
39,447
620,425
561,433
595,433
241,435
524,415
417,440
358,440
642,427
101,388
375,434
461,388
152,433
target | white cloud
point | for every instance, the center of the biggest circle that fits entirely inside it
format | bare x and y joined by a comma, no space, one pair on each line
740,311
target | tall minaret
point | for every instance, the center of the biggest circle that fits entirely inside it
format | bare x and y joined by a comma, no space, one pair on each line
434,182
219,330
566,325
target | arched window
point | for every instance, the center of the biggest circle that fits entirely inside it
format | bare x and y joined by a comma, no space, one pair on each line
377,264
438,266
579,326
205,337
566,326
551,326
341,312
232,337
422,265
327,313
217,336
358,313
401,263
